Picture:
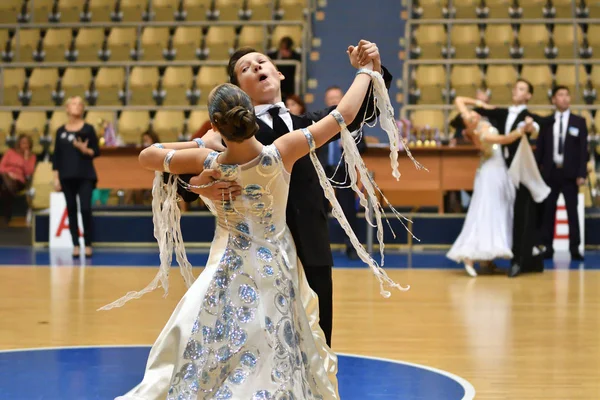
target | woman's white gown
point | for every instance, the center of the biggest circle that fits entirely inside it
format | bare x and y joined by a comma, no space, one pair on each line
248,327
487,230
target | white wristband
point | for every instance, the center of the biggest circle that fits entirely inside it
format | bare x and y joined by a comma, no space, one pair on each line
338,117
200,142
167,161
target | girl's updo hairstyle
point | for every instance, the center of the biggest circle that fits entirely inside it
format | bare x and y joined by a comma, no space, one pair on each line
231,111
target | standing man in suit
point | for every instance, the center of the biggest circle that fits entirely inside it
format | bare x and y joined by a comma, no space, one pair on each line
335,167
527,255
562,155
306,215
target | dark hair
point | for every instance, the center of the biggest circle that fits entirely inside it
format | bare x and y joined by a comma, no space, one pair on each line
529,85
152,135
556,88
21,137
231,111
298,100
287,42
235,57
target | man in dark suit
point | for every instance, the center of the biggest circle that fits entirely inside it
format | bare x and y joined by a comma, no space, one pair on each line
333,162
306,215
527,256
562,155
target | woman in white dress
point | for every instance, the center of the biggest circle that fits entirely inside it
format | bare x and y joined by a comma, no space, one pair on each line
241,331
487,230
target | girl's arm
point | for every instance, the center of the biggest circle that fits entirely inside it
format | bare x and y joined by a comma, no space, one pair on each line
503,139
294,145
184,160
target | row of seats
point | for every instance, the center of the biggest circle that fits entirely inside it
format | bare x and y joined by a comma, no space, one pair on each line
65,11
169,125
499,40
145,44
430,81
436,119
437,9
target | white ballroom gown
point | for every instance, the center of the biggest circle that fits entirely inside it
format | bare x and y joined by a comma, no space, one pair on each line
247,329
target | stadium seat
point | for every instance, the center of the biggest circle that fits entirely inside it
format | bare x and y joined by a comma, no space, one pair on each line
32,123
176,81
168,125
121,41
196,120
154,41
431,80
76,81
56,43
207,79
464,40
186,41
431,39
540,77
430,118
142,82
28,41
88,43
498,38
132,124
109,82
500,79
42,83
219,41
12,83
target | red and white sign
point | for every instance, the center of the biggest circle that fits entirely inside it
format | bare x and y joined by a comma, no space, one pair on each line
561,225
60,235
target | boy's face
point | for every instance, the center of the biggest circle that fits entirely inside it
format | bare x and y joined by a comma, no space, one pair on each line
259,78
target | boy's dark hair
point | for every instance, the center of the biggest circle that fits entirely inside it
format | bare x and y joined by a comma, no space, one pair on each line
529,85
556,88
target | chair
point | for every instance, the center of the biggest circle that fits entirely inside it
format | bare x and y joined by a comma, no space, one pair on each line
142,82
154,41
498,8
186,41
228,10
133,10
431,81
70,10
88,43
76,81
498,38
6,123
593,36
465,79
428,118
208,78
541,79
431,39
56,43
196,9
500,79
533,8
176,82
41,10
219,42
465,8
42,83
101,10
12,83
132,124
121,41
168,125
293,10
569,75
564,37
464,39
28,41
261,10
32,123
253,36
196,120
97,118
534,39
279,32
109,82
9,11
164,10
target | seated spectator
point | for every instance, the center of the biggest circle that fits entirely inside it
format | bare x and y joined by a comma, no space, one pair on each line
16,168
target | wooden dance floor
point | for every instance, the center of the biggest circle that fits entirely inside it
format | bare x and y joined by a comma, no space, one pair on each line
534,337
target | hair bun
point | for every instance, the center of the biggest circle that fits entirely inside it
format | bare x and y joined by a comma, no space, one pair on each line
242,120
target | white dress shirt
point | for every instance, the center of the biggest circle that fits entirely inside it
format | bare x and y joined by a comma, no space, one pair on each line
560,158
513,113
262,112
